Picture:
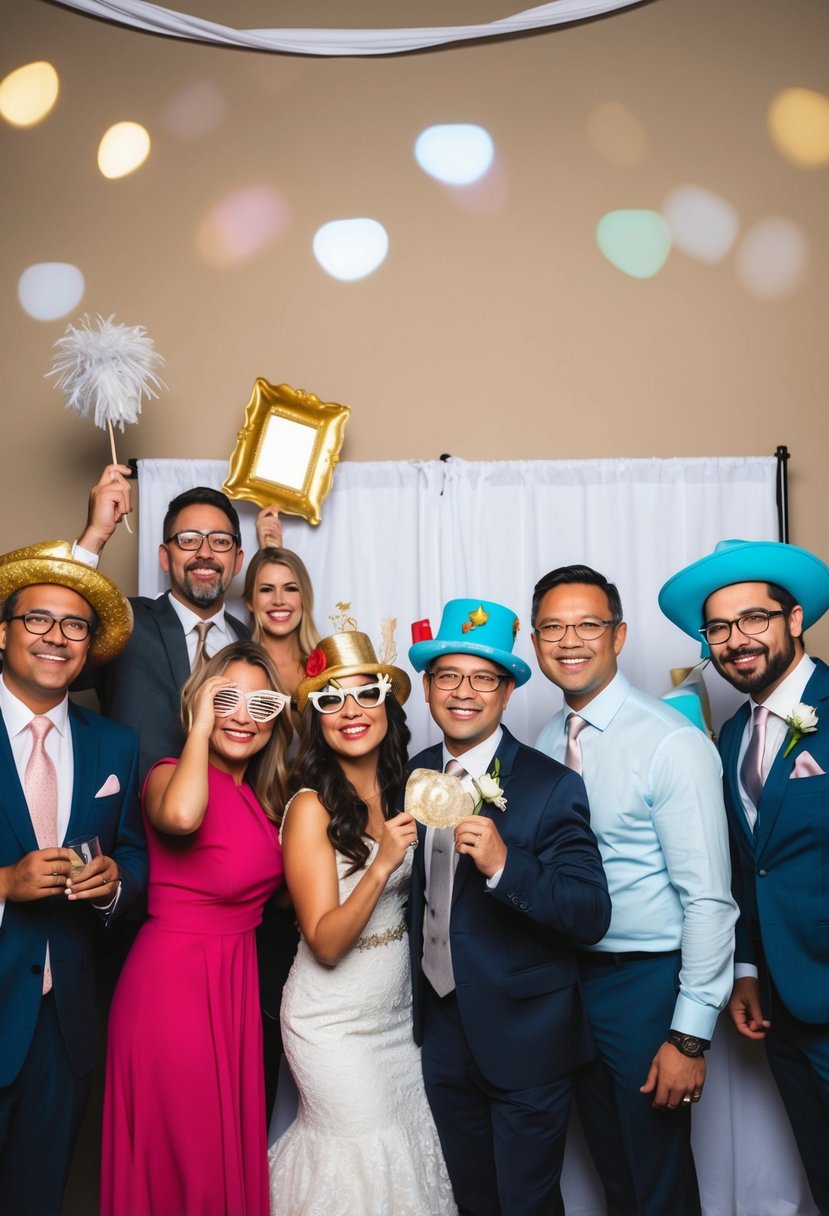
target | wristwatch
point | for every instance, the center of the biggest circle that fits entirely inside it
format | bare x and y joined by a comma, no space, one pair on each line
688,1044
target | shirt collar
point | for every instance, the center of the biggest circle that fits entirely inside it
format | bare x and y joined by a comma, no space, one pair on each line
477,760
602,709
189,619
790,692
17,716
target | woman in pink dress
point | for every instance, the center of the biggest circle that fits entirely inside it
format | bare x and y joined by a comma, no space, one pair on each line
184,1122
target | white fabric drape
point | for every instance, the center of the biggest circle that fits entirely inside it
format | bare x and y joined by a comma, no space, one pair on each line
399,539
154,19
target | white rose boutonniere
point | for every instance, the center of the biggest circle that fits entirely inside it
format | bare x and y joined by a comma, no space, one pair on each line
801,721
489,790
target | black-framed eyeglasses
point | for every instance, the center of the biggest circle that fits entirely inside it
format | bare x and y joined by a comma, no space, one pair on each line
219,542
447,680
73,628
587,630
716,633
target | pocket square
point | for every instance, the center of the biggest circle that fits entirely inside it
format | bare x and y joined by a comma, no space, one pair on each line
111,786
806,766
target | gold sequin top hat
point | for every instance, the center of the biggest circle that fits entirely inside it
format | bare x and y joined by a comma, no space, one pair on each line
51,561
348,654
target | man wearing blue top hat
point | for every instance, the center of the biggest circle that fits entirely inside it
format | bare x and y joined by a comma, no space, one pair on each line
500,902
751,601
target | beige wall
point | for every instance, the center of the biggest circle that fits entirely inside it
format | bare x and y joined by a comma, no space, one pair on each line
494,333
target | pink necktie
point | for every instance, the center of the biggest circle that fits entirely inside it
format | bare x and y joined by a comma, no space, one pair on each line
437,953
202,630
751,770
41,789
572,757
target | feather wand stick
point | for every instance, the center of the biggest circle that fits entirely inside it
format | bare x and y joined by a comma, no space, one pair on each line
107,371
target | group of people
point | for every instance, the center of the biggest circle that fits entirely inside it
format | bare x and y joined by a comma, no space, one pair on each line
487,930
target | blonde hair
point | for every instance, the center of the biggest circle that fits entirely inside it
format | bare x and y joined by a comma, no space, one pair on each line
267,772
308,634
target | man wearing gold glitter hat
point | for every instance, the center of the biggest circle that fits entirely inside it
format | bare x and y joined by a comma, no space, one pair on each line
500,901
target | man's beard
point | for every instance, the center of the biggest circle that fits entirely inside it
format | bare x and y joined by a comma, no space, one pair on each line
202,594
765,675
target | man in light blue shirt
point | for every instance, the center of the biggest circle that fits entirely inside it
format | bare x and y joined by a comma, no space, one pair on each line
655,984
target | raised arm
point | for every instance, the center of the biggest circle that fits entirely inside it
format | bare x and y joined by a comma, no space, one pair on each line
110,499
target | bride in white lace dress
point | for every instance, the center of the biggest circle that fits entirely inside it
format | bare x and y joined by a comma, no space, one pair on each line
364,1142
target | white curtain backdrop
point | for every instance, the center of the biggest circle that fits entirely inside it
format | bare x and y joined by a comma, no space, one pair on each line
154,19
399,539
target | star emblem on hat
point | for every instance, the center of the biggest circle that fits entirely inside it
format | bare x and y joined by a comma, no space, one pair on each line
476,618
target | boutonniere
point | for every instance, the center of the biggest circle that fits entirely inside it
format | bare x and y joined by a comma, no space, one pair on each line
489,790
801,721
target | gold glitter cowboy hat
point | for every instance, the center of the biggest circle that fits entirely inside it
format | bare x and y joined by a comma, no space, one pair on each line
348,654
51,561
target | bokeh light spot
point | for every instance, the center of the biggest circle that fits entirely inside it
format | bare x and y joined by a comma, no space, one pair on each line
49,290
772,258
195,111
242,225
617,134
351,249
455,153
123,149
702,223
799,126
29,93
635,242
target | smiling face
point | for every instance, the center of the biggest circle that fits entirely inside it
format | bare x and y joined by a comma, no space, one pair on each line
276,602
199,578
465,716
236,738
580,669
354,732
755,665
38,669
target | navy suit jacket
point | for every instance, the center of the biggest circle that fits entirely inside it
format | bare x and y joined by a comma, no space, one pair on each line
100,749
514,947
141,688
781,873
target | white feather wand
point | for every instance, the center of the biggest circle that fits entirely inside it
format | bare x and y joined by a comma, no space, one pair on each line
107,370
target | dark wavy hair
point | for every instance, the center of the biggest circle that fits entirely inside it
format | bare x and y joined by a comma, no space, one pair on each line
316,768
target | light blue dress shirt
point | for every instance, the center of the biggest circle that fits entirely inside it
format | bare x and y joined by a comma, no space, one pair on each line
654,784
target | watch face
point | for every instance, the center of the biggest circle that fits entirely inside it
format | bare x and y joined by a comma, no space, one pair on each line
691,1044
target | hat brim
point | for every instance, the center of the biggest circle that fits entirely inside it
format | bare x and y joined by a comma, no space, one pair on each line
800,572
422,653
401,685
114,611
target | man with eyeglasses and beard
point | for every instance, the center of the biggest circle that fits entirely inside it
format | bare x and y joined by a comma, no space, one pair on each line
501,898
751,601
656,982
201,554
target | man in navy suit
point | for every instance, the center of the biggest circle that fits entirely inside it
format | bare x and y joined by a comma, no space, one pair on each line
498,908
64,772
751,601
201,554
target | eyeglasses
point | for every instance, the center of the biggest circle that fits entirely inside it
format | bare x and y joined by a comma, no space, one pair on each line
750,623
587,631
263,705
73,628
330,700
448,680
219,542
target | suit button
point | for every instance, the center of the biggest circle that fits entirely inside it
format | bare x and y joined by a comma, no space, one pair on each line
36,970
762,873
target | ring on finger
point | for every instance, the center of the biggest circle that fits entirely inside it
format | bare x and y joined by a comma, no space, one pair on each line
686,1101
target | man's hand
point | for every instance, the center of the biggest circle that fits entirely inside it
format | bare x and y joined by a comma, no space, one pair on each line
478,836
745,1010
97,881
269,528
38,875
110,499
674,1079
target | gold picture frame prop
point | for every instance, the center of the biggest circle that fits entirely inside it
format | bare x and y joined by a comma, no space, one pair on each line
287,449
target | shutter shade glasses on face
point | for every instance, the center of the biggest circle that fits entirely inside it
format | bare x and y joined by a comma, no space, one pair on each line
262,706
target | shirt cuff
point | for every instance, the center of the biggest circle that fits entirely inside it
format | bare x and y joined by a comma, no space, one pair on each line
693,1018
107,909
85,555
745,971
492,882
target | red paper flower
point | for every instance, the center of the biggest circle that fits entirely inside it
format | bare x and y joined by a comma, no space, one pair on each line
316,663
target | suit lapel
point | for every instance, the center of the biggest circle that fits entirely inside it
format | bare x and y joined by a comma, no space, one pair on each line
172,637
13,803
730,754
86,768
816,693
506,753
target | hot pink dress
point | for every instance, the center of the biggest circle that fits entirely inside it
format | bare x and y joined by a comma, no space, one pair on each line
184,1105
